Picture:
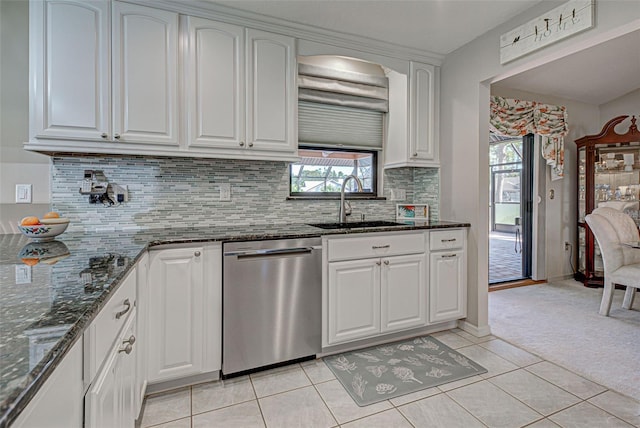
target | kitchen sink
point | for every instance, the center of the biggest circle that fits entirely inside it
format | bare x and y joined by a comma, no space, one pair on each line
354,224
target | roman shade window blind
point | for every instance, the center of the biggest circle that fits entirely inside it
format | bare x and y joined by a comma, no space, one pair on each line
341,103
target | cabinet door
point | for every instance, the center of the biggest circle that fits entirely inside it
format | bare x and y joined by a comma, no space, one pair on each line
403,290
271,92
110,399
447,286
176,313
215,83
70,78
145,66
354,300
62,390
423,112
142,305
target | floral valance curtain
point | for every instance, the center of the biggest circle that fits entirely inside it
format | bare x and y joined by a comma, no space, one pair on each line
516,117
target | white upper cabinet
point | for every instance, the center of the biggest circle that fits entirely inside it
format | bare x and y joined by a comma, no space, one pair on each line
214,85
424,147
412,121
271,94
145,70
240,86
70,92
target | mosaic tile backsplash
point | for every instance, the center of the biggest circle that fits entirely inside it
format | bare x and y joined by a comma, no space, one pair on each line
177,192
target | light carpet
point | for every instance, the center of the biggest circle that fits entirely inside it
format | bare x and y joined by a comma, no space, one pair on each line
560,323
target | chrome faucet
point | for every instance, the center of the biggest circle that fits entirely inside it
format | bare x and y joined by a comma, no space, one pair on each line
342,213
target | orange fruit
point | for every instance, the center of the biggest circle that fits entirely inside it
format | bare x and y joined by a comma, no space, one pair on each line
30,262
30,221
51,214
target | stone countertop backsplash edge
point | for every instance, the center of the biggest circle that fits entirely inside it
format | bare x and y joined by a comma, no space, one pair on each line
77,302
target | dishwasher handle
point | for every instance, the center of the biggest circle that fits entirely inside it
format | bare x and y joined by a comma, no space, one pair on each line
273,252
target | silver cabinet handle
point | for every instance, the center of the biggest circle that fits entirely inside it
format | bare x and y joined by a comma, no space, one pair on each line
104,135
127,305
415,155
116,136
377,247
197,254
378,263
448,240
127,349
386,262
130,340
241,143
250,144
448,256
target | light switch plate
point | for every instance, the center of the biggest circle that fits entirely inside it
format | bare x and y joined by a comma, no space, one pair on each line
23,193
225,192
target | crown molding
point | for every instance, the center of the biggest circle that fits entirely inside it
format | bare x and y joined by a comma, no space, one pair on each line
211,10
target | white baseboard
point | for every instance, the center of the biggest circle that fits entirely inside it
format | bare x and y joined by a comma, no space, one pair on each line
481,331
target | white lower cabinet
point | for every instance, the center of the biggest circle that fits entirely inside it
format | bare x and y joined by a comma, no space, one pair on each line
184,312
403,289
372,296
110,402
354,300
58,403
448,275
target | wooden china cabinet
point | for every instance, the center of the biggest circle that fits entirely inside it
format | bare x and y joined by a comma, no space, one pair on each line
608,175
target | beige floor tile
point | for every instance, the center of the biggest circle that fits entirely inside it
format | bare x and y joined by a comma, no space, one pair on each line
542,396
492,362
342,405
438,411
317,371
511,353
453,341
585,415
619,405
300,408
180,423
279,380
166,407
472,338
459,383
243,415
566,380
387,419
493,406
544,423
414,396
222,393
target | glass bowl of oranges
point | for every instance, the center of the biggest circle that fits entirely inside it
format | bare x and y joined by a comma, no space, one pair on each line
44,229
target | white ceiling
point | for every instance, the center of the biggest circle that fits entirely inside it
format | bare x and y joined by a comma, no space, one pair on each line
435,26
595,76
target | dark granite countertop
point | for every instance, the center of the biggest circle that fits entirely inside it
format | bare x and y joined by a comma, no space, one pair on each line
44,308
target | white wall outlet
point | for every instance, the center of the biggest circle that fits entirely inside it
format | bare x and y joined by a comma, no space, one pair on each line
398,194
225,192
23,193
23,274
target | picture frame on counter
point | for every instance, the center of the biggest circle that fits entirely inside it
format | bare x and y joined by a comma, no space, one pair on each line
412,212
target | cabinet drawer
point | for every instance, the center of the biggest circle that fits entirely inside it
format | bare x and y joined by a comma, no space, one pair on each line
105,328
446,239
375,245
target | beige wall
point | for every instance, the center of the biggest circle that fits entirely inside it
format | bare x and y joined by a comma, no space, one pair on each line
17,166
628,104
464,112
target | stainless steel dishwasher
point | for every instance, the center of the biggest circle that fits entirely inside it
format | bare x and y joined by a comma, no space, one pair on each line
271,302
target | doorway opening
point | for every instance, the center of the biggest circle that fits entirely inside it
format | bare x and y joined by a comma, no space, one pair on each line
510,205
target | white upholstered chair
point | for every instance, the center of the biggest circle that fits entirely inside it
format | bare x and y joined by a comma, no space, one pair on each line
621,263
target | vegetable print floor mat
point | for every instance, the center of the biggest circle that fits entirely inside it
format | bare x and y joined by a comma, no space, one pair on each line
382,372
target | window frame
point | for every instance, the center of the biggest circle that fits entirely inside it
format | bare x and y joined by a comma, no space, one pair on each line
375,179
